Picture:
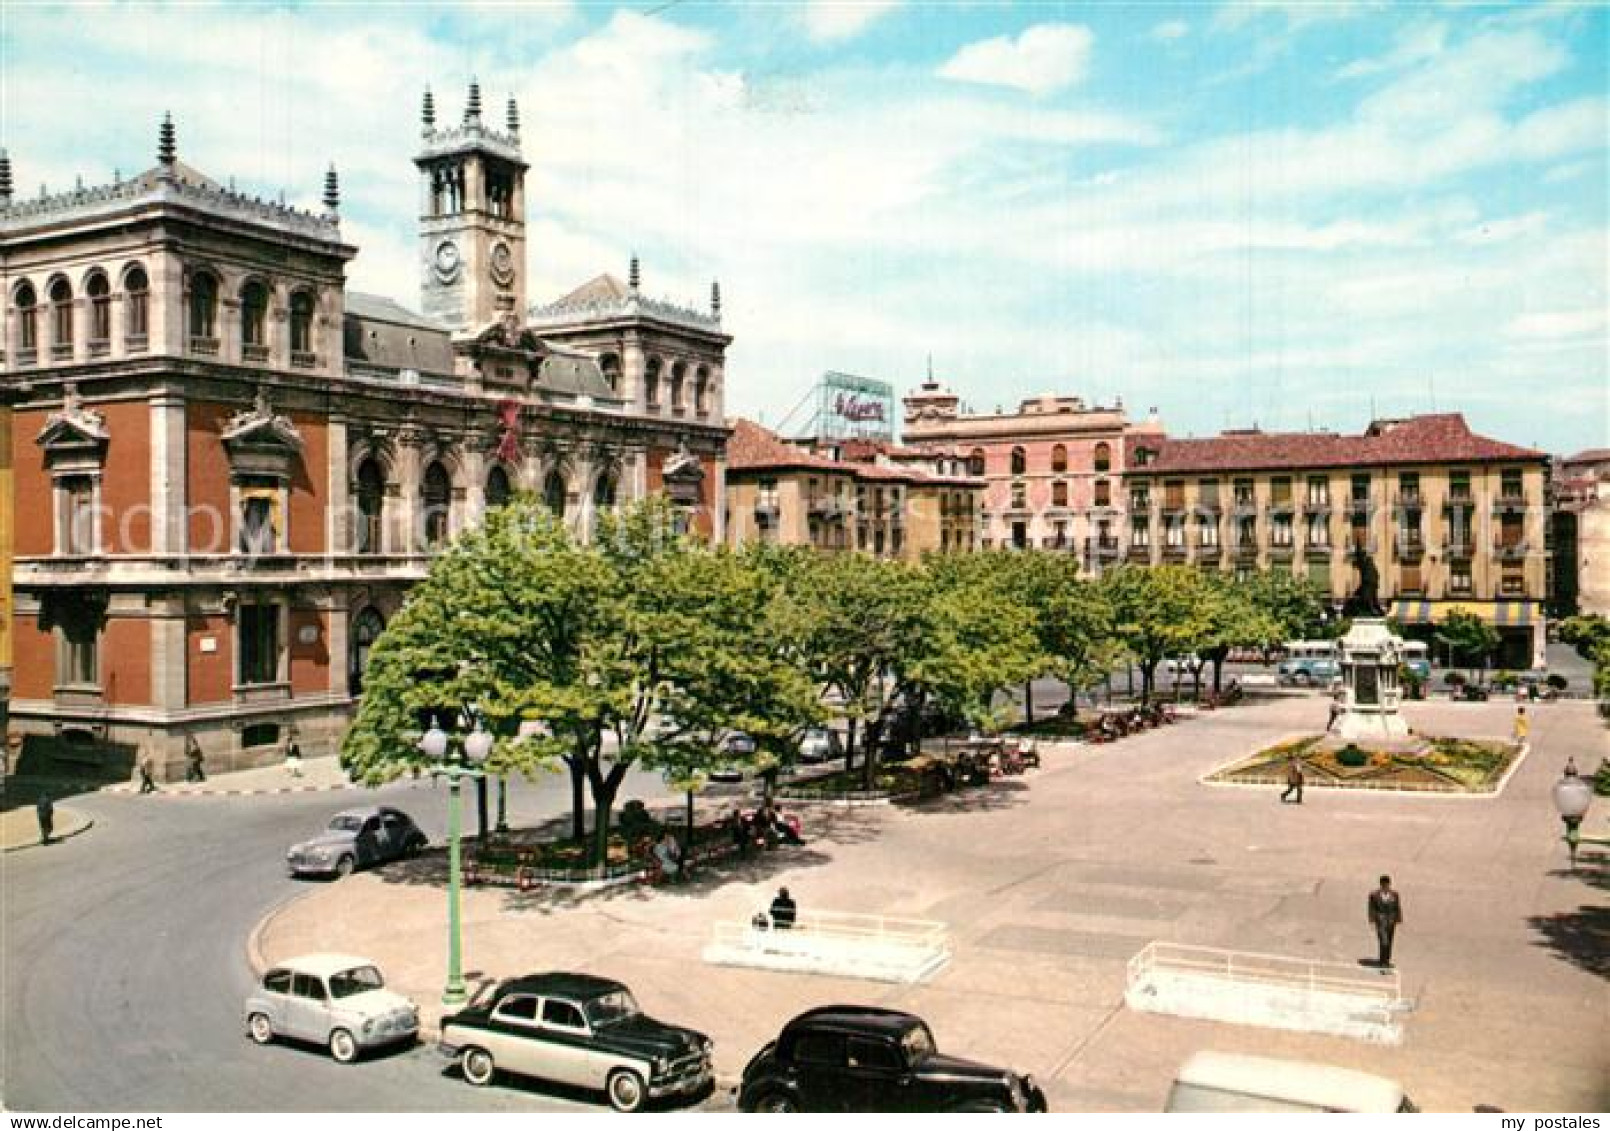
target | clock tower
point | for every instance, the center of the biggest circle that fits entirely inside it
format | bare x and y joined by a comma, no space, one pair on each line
472,218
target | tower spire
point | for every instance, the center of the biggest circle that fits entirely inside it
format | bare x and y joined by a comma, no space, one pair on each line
427,112
715,297
167,142
332,192
514,117
634,276
5,177
472,109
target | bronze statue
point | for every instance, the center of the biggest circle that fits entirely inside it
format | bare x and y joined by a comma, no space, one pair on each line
1365,601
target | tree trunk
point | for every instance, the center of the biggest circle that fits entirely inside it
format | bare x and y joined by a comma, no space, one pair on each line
605,787
1148,679
1218,672
690,821
1028,702
849,744
874,731
578,797
1196,683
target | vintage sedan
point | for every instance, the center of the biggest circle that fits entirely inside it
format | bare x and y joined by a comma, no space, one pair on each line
579,1030
859,1058
334,1000
356,838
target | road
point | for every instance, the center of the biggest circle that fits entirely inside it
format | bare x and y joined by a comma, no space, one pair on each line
124,962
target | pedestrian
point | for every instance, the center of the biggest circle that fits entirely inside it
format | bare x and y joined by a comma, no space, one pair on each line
1335,712
1294,780
1570,766
783,910
1522,726
293,757
668,852
1386,915
45,810
738,828
147,782
193,769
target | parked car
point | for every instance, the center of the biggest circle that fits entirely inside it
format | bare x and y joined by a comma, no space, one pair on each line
1308,671
580,1030
1229,1082
737,745
357,838
334,1000
820,744
859,1058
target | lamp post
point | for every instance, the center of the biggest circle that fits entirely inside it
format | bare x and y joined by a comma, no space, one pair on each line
1572,796
476,745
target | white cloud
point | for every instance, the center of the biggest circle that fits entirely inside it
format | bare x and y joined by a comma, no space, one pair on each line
830,21
1415,44
1559,324
1042,59
1170,30
1294,13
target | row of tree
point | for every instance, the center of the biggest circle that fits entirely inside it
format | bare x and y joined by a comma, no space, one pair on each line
645,648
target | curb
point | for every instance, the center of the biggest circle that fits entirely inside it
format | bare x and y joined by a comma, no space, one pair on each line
172,793
89,823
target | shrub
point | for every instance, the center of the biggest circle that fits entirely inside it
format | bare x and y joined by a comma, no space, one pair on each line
1601,780
1350,755
1558,682
1505,681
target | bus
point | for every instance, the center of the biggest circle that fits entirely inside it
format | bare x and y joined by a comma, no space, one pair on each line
1309,663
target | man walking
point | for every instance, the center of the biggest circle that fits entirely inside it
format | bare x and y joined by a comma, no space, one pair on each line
147,782
1386,913
45,809
1294,781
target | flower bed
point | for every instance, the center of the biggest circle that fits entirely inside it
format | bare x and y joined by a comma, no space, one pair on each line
1448,765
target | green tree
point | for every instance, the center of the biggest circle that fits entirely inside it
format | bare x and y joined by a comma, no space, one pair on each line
1466,634
1159,611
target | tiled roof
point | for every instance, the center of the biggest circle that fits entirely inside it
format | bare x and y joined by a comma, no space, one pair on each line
1592,455
1439,438
753,448
604,289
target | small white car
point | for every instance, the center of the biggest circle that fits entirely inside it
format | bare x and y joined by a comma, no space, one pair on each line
335,1000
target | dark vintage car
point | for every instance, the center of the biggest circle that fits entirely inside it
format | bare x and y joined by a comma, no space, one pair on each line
356,838
858,1058
578,1030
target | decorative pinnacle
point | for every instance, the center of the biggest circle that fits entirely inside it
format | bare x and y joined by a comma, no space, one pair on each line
472,111
514,117
633,275
715,297
427,111
5,177
332,190
167,143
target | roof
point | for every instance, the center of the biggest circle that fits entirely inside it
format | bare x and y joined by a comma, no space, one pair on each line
575,375
379,308
605,288
322,964
1439,438
857,1016
754,448
1292,1081
381,333
559,982
1592,455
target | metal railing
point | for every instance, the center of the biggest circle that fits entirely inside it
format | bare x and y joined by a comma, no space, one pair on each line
1267,969
813,927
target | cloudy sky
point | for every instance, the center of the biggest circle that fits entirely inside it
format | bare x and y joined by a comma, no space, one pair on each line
1292,214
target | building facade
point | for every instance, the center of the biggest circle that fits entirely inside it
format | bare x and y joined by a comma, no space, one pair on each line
881,499
235,468
1436,517
1582,533
1054,469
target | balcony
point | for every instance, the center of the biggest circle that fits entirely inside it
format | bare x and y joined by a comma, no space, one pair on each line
1510,551
1246,551
1140,552
304,359
27,357
829,507
61,351
1462,547
253,352
205,347
1174,551
1510,501
136,343
1411,549
100,347
1413,499
1459,500
1282,551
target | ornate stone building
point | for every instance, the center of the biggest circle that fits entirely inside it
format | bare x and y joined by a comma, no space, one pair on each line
230,469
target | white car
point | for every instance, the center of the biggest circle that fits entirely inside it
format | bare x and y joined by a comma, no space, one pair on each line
335,1000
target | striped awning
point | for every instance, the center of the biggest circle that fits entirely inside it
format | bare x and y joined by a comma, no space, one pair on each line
1501,613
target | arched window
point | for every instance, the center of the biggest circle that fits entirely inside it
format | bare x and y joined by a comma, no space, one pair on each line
366,629
100,309
1103,493
604,490
701,390
679,372
27,303
975,462
254,315
1059,458
203,309
1059,493
610,366
1020,461
136,305
302,323
371,493
61,318
1103,456
651,383
498,489
554,491
436,497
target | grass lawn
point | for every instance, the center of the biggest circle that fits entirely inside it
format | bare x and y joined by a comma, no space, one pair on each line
1450,765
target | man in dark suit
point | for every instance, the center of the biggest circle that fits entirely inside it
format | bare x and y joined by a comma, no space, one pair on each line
783,910
1386,913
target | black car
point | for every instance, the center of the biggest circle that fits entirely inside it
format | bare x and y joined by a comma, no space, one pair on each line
579,1030
858,1058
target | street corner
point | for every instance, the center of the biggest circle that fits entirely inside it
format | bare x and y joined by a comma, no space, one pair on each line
19,828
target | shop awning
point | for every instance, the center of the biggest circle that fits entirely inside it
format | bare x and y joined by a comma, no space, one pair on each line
1514,614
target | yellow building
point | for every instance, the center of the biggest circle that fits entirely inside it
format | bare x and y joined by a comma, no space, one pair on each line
1447,520
848,495
7,506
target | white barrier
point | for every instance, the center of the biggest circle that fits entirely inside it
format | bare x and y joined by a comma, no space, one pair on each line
878,947
1270,990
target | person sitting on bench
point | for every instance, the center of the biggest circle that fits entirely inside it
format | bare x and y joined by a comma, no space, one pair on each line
669,854
783,910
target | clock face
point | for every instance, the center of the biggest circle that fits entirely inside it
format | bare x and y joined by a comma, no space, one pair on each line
447,261
502,264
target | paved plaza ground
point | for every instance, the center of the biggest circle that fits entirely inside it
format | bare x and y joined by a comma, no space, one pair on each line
1051,882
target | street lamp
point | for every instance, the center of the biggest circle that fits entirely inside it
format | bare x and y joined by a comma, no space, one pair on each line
1572,796
477,745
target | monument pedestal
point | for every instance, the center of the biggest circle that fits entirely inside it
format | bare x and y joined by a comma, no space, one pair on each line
1370,656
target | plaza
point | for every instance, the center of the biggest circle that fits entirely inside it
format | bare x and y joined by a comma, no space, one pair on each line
1051,882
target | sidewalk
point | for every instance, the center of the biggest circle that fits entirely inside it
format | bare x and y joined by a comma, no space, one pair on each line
318,774
19,828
